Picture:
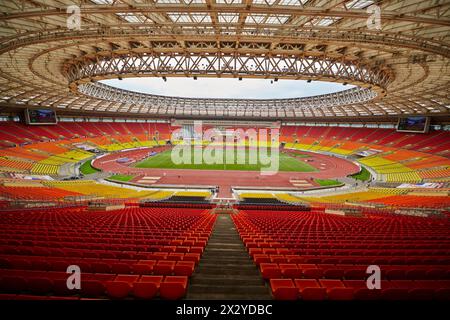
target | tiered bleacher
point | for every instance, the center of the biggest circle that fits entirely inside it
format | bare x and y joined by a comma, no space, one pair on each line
401,157
318,256
44,149
395,197
135,252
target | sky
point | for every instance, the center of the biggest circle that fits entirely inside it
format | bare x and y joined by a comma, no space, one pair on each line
227,88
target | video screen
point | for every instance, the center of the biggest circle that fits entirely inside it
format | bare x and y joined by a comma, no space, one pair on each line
41,116
413,124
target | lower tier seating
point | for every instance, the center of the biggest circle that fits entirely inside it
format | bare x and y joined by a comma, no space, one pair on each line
129,253
317,256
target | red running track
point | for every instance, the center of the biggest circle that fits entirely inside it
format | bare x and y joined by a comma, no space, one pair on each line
329,167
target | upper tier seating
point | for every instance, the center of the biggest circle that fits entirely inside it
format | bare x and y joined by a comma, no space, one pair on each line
393,163
34,193
402,157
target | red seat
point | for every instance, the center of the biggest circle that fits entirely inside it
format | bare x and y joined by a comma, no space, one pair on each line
294,259
40,265
13,284
20,264
128,278
182,249
122,268
442,294
283,289
395,274
261,258
366,294
310,289
290,270
147,287
435,274
416,274
270,270
118,289
331,284
394,294
278,258
192,257
5,263
334,274
164,267
40,285
196,249
84,266
60,288
175,256
184,268
340,294
312,273
173,287
141,268
101,267
92,288
124,255
355,274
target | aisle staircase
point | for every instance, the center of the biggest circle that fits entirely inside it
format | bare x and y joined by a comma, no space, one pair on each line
226,270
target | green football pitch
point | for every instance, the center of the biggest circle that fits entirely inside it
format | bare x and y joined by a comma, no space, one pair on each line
163,160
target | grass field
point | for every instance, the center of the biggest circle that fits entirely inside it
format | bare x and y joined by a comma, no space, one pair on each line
163,160
121,177
87,168
363,175
327,182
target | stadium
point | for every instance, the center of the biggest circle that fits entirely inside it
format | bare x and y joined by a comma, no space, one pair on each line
113,193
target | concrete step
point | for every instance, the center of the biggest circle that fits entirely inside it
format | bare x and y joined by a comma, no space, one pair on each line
231,272
228,288
241,281
228,296
225,254
225,270
213,265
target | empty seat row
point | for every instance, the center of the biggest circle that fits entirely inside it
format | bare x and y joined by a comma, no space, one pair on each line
95,285
159,267
311,271
342,259
311,289
314,255
127,253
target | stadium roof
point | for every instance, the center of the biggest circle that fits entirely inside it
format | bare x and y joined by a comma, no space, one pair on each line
47,61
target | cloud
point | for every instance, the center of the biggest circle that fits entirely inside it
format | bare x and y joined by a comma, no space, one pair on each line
227,88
